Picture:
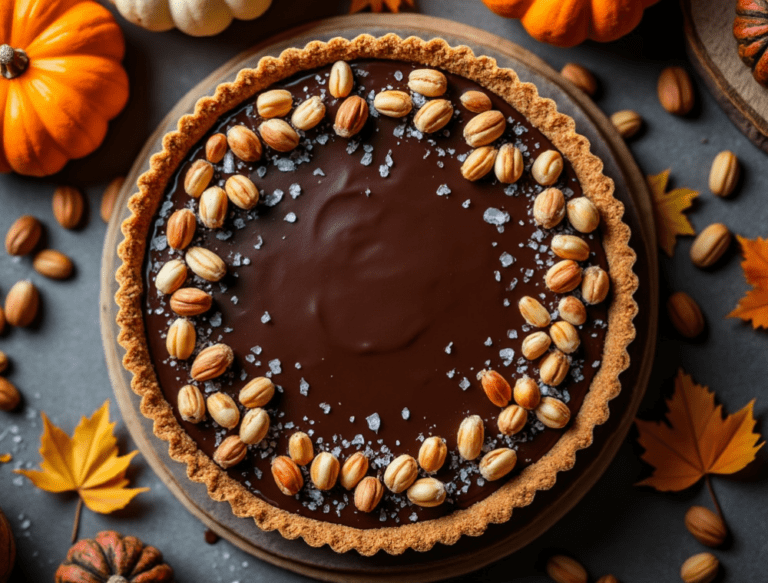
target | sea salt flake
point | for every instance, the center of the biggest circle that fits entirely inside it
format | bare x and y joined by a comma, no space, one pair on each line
265,318
366,159
325,407
294,190
256,350
274,366
443,190
506,259
383,170
303,387
374,422
464,384
507,355
494,216
488,341
451,373
290,218
406,413
273,198
449,348
259,242
285,165
466,204
318,172
388,159
399,75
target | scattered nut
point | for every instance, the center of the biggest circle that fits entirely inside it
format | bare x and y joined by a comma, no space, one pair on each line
570,247
549,208
213,207
68,206
257,393
300,448
581,77
476,101
496,388
22,303
627,122
479,163
724,174
547,167
428,82
245,144
401,473
353,470
527,393
563,276
498,463
470,437
9,395
536,344
287,475
215,148
701,568
533,312
230,452
554,368
190,301
685,314
595,286
197,178
181,339
308,114
553,413
583,214
432,454
53,264
427,492
324,471
171,276
572,310
274,103
434,115
109,198
565,336
509,164
341,80
512,420
23,235
223,410
241,191
212,362
393,103
564,569
368,494
675,90
3,362
191,404
710,245
254,426
180,229
279,135
485,128
706,526
205,263
351,116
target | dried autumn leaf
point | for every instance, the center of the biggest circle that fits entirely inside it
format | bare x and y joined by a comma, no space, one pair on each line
668,210
378,5
5,458
697,441
754,305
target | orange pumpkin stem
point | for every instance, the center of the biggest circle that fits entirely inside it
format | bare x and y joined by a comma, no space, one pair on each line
13,62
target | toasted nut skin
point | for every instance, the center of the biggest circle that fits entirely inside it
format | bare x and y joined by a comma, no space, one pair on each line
274,103
241,191
496,388
244,143
536,344
197,178
572,310
68,206
341,80
190,301
433,116
109,198
432,454
53,264
191,404
554,368
583,214
222,409
212,362
230,452
701,568
479,163
547,167
215,148
581,77
351,116
353,470
470,437
476,101
22,304
3,358
9,395
427,492
205,263
213,207
368,494
564,569
512,420
685,314
181,229
527,393
509,164
254,426
570,247
300,448
706,526
710,245
675,90
485,128
596,284
171,276
324,471
278,135
181,339
724,174
549,208
627,122
553,413
533,312
498,463
23,235
393,103
257,393
401,473
428,82
287,475
308,114
565,336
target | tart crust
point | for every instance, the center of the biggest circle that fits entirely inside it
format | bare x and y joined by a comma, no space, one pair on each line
520,490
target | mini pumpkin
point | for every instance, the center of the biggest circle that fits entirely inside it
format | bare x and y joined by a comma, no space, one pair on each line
750,28
113,558
7,549
566,23
194,17
61,82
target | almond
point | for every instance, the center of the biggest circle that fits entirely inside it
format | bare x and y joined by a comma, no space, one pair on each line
191,404
553,413
710,245
300,448
278,135
564,569
706,526
324,470
257,393
583,214
21,304
53,264
434,115
498,463
570,247
197,178
432,454
287,475
554,368
685,315
308,114
527,393
485,128
274,103
549,208
213,207
205,263
724,173
572,310
401,473
230,452
23,235
242,191
479,163
68,206
565,336
547,167
563,276
496,388
254,426
627,122
476,101
596,284
351,116
533,312
470,437
212,362
428,82
3,357
675,90
341,80
9,395
181,229
368,494
581,77
181,339
216,148
701,568
353,470
245,144
171,276
109,198
427,492
222,409
512,420
393,103
536,344
508,165
190,301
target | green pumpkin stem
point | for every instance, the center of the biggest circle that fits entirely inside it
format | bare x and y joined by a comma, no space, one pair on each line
13,62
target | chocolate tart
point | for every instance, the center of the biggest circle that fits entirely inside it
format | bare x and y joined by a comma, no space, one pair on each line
371,285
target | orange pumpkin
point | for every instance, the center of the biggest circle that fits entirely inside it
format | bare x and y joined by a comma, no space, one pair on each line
61,82
566,23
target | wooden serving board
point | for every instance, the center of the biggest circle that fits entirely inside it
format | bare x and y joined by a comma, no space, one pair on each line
526,524
714,54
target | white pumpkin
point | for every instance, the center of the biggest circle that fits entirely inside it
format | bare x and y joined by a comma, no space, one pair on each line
194,17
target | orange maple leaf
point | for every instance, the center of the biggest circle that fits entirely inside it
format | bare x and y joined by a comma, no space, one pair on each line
697,441
378,5
754,305
668,210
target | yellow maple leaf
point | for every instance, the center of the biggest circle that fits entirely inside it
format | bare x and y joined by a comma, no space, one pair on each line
697,441
5,458
668,210
378,5
754,305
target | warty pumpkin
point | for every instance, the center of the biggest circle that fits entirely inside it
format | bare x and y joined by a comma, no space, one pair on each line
7,549
113,558
566,23
61,82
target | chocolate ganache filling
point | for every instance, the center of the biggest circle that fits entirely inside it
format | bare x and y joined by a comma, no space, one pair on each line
372,283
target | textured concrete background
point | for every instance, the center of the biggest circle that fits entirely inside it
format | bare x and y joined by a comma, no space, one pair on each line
636,534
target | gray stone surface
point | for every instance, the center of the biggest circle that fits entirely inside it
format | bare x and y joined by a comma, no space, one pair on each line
635,533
